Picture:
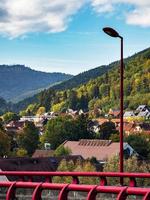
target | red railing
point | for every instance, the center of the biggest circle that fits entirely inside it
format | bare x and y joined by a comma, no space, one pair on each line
122,192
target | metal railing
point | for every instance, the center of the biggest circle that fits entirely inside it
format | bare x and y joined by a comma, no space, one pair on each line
25,180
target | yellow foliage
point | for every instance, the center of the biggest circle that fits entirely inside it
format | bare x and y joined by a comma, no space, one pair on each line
57,107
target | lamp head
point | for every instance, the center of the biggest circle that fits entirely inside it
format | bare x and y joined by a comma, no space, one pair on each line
111,32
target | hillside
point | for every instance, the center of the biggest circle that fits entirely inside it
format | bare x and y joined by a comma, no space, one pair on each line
104,91
18,82
82,78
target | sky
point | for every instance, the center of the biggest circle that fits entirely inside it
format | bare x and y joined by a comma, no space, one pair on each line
66,35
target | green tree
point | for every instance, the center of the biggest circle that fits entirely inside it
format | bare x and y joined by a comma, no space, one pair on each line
46,98
21,152
106,130
65,128
62,151
9,116
72,100
140,144
28,138
31,109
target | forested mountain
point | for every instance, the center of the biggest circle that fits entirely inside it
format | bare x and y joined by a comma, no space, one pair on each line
82,78
4,106
104,91
18,81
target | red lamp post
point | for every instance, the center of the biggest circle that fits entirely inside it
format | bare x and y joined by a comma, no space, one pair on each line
113,33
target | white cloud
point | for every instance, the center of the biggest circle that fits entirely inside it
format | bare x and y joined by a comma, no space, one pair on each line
18,17
139,15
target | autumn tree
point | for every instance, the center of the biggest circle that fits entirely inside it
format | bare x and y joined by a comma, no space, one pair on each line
41,110
131,164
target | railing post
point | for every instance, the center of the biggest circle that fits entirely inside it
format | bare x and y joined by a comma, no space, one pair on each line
103,181
48,179
132,182
75,180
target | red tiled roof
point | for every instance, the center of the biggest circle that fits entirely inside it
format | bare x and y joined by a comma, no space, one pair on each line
129,127
102,120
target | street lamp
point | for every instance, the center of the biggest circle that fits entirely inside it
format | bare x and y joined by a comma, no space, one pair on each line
113,33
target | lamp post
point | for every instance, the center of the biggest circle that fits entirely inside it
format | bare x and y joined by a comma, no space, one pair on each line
113,33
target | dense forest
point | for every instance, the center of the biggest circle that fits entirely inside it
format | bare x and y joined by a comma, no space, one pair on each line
102,92
82,78
18,82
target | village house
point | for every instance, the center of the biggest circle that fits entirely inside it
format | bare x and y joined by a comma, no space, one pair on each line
142,108
136,128
102,150
129,114
114,113
14,126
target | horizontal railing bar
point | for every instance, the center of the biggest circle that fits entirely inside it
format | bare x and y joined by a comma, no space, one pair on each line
76,187
73,174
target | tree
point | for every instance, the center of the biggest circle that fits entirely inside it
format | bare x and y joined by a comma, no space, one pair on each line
65,128
64,166
4,143
72,100
130,165
62,151
70,166
9,116
140,144
31,109
58,107
106,130
28,138
46,97
83,102
21,152
41,110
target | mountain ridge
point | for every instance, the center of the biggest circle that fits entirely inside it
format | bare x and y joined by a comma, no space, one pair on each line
17,80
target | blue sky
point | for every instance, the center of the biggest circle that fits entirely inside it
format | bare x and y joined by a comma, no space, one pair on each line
68,37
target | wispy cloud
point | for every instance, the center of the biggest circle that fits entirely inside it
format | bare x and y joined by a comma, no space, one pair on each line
139,15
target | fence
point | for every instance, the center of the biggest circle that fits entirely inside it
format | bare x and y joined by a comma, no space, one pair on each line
26,180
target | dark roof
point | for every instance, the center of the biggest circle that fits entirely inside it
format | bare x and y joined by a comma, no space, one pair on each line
28,164
34,164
